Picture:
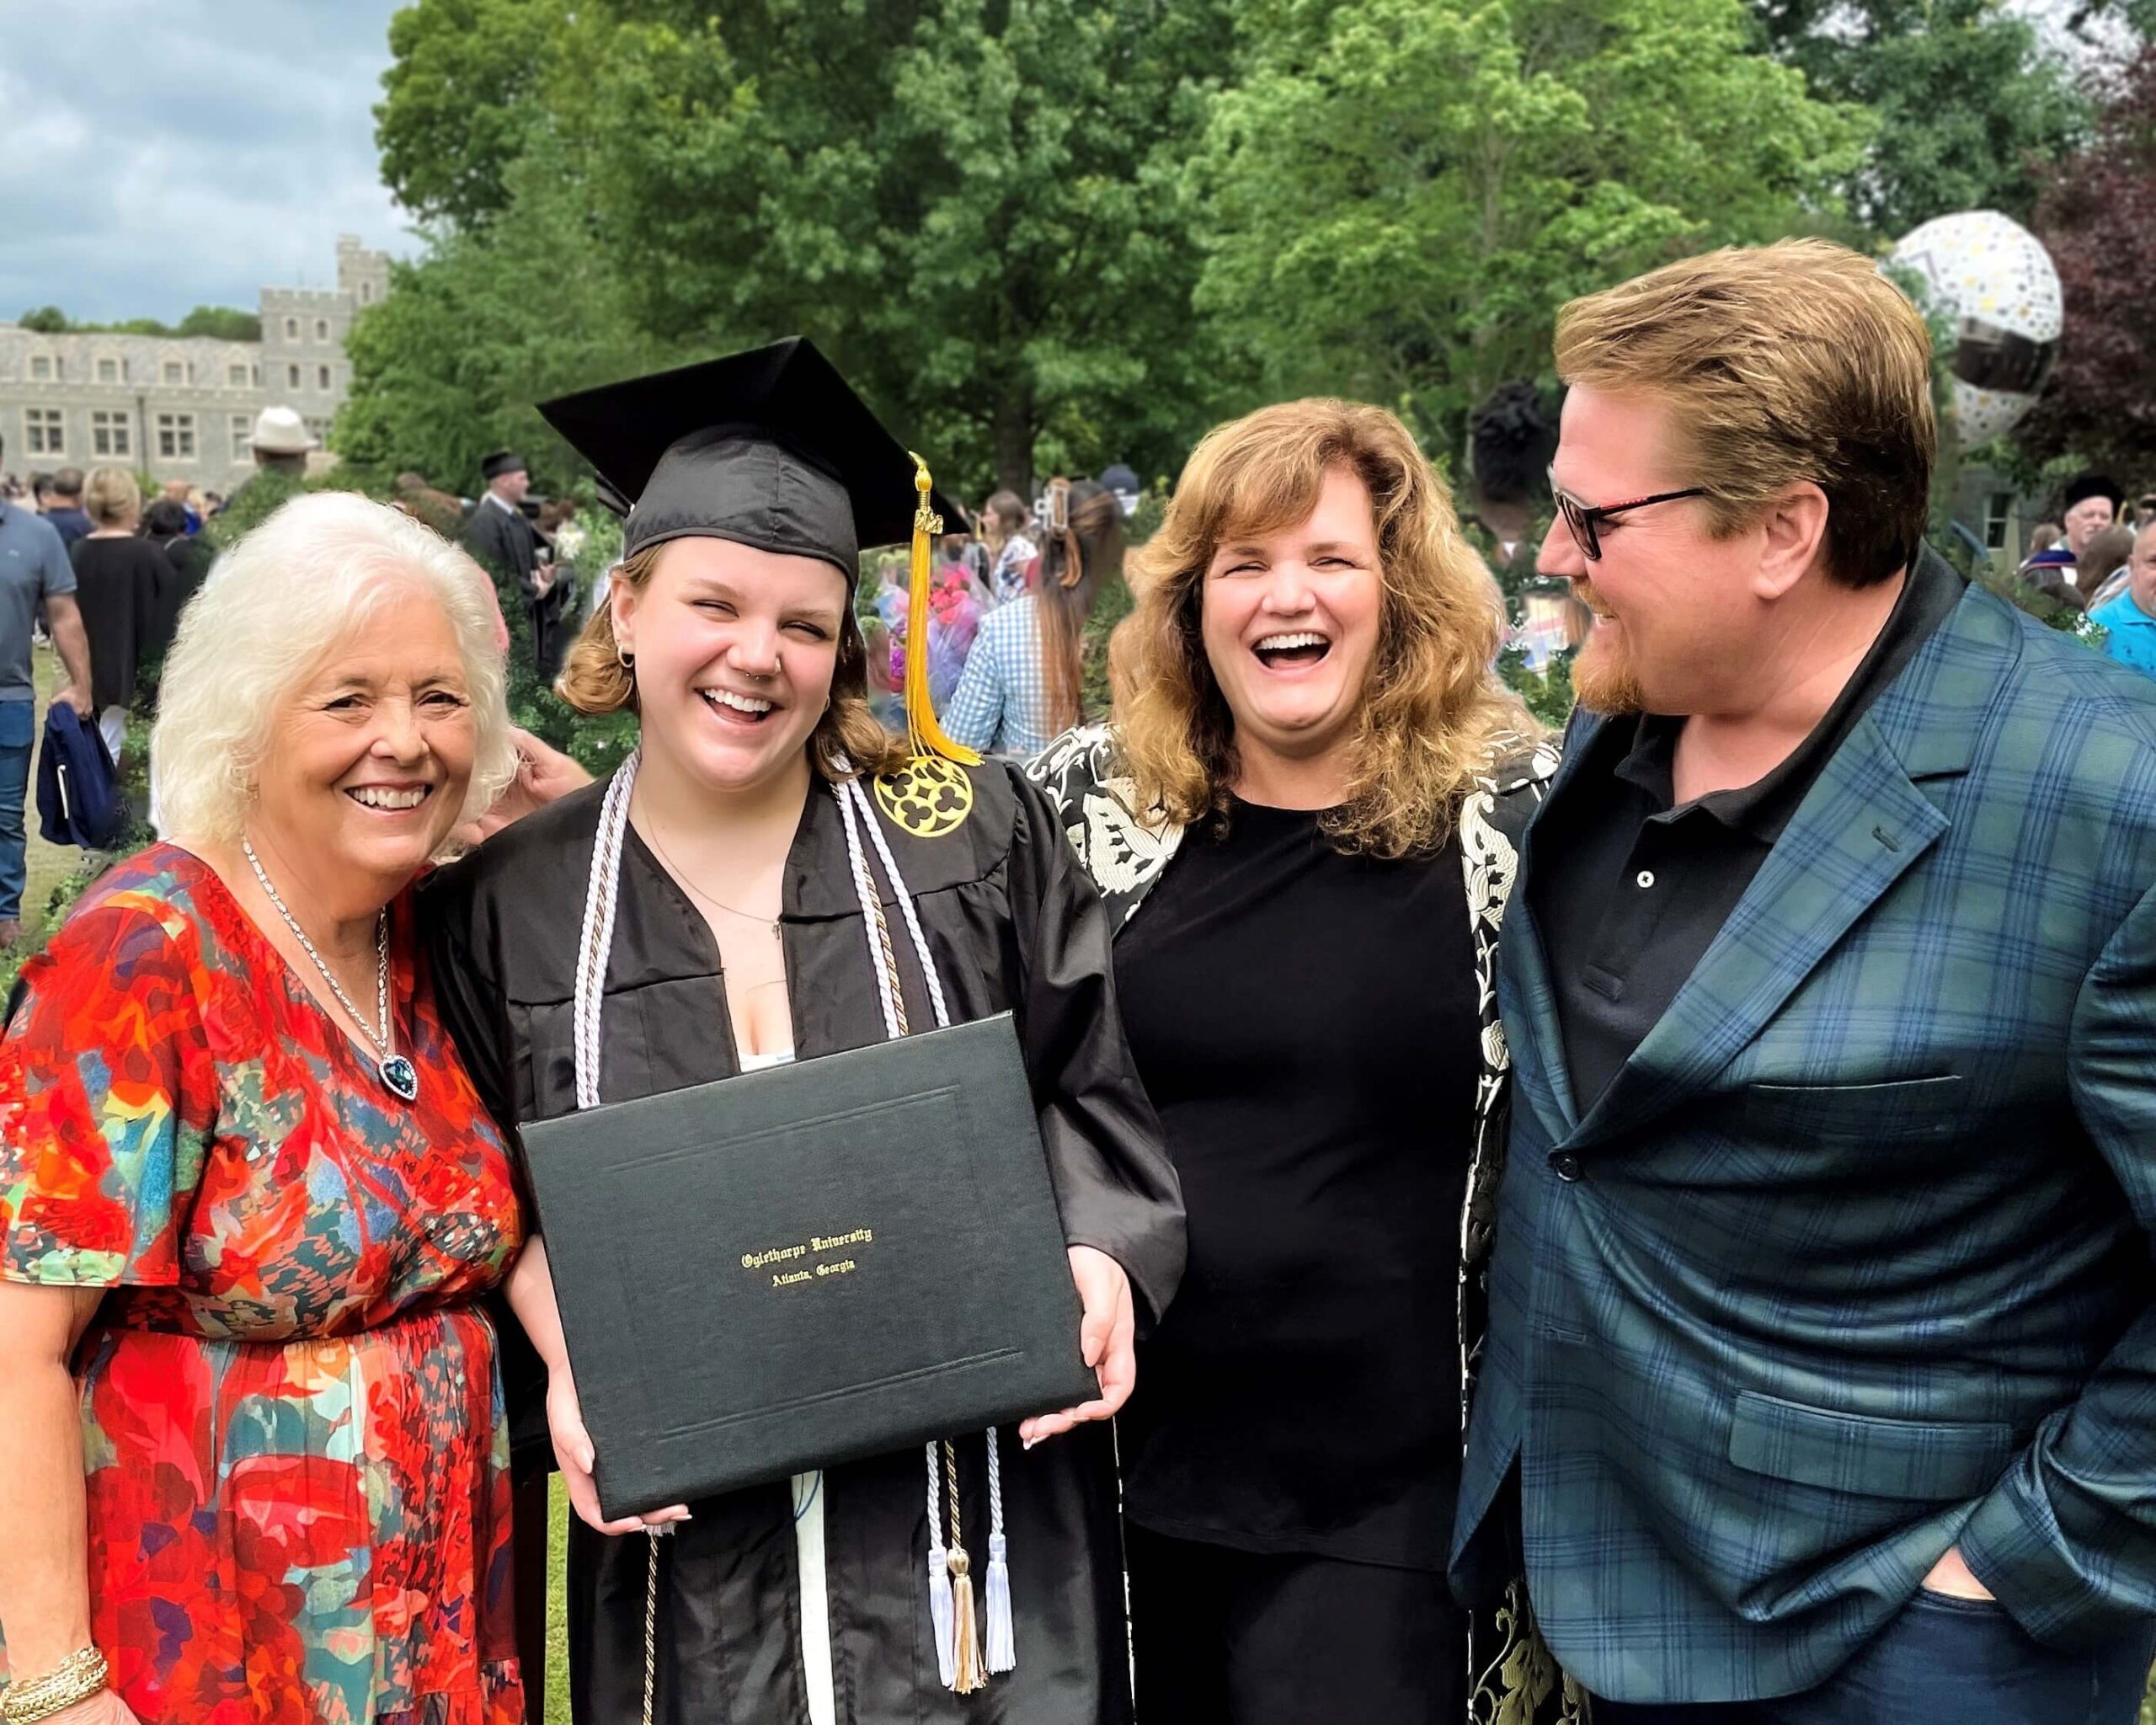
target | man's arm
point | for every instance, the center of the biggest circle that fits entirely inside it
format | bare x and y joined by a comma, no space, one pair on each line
2066,1540
65,617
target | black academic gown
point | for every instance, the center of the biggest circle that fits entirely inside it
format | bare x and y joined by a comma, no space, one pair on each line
509,547
1013,924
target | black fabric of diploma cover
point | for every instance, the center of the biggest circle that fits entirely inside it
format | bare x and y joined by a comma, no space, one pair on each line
808,1264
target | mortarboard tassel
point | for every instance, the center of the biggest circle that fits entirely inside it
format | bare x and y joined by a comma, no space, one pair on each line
1002,1640
965,1635
924,734
939,1604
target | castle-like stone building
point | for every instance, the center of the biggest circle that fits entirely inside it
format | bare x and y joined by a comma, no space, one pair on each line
181,408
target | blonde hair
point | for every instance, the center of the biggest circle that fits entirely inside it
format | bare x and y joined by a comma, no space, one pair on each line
110,496
274,606
1778,364
846,740
1433,710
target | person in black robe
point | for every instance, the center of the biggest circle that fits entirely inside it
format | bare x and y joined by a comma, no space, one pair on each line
718,964
509,547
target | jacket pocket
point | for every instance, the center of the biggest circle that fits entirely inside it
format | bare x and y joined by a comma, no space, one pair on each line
1869,1456
1899,1109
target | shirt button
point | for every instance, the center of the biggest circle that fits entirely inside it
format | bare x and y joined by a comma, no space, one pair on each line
1565,1165
1645,879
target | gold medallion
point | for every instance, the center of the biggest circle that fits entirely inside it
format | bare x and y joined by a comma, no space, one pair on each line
928,798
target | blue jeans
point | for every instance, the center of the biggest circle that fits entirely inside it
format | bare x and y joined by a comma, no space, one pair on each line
18,738
1964,1661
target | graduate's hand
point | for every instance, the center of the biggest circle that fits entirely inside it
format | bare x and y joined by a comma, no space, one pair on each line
543,775
574,1455
1107,1336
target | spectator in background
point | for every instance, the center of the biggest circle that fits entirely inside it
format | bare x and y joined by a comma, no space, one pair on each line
1123,480
2090,502
509,547
117,579
64,511
1021,683
34,570
2099,571
42,498
280,442
187,561
1510,442
413,496
178,491
1003,531
2130,618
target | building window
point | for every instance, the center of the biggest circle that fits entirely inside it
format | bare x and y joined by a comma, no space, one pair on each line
43,434
254,376
291,330
108,370
175,371
322,329
111,433
319,429
322,376
42,370
236,375
292,377
366,293
1998,509
242,437
176,437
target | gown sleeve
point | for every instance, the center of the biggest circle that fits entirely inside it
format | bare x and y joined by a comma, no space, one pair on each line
469,997
1118,1189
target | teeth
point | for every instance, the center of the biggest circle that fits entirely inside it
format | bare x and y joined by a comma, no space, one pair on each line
739,704
1281,643
381,797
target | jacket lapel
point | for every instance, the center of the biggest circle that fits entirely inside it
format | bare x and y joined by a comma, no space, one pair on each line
1863,824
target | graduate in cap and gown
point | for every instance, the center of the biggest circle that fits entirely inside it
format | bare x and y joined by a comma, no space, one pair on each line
508,546
739,942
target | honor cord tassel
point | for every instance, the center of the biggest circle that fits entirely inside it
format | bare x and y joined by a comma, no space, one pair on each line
964,1633
939,1577
1003,1639
923,734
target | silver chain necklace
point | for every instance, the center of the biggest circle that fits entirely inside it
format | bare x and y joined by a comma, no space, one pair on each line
398,1074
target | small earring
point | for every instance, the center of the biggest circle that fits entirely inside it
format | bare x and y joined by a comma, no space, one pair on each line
627,660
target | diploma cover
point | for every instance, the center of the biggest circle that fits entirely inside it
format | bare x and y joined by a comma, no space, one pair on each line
808,1264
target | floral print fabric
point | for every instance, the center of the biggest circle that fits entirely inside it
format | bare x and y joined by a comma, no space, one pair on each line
295,1449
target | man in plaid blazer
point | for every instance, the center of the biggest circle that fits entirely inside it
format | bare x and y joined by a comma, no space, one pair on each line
1821,1384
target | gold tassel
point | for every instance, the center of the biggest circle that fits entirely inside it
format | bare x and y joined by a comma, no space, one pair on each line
970,1675
924,735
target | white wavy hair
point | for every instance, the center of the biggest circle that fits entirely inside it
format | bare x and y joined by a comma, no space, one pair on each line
274,607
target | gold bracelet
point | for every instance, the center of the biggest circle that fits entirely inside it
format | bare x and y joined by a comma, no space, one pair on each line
78,1677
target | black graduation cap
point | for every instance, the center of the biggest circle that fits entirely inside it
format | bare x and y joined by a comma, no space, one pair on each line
770,448
502,461
2083,486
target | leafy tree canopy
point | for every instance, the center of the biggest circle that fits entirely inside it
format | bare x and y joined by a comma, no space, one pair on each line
219,322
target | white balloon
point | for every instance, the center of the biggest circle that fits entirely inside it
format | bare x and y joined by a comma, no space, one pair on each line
1994,275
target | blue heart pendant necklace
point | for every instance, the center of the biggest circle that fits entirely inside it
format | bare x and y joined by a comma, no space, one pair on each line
399,1076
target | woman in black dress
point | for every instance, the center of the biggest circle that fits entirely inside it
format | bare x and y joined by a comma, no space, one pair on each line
117,576
739,940
1305,821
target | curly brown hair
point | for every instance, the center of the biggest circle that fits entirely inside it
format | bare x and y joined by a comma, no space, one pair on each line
1433,711
848,740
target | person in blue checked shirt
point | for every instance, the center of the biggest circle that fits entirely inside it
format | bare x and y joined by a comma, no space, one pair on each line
2131,616
1820,1380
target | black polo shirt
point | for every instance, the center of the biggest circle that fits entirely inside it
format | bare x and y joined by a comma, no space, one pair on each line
1628,891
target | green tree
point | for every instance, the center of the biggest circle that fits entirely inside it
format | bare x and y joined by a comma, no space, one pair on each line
221,323
1399,193
448,365
459,100
967,203
45,320
1969,103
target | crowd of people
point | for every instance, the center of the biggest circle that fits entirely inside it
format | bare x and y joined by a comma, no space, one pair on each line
1650,1224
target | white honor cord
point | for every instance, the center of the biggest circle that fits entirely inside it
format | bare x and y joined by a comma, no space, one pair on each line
593,949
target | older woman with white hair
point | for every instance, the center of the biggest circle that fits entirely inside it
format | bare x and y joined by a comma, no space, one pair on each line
253,1457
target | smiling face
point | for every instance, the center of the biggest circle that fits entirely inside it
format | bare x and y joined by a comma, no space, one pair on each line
735,650
1290,623
1671,602
370,755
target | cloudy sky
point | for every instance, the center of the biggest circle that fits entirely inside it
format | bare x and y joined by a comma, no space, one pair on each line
157,155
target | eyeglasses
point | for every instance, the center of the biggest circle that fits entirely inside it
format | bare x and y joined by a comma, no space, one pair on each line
1583,521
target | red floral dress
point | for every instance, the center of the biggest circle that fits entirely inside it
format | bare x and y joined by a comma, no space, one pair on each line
292,1423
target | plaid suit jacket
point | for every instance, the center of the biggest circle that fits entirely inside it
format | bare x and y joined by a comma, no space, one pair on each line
1850,1263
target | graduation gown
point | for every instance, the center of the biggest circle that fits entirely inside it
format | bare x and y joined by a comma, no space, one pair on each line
509,547
1014,924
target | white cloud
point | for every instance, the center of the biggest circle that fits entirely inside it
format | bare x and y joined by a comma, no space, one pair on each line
160,154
